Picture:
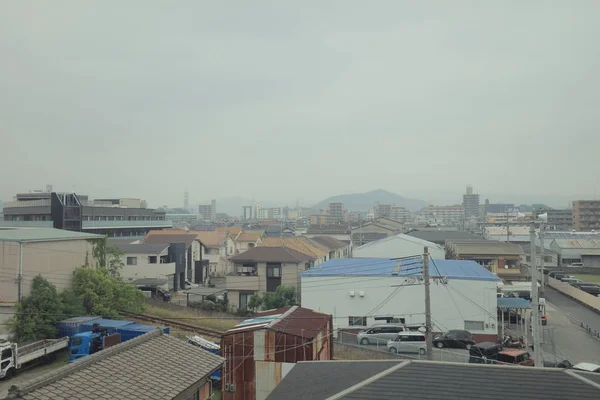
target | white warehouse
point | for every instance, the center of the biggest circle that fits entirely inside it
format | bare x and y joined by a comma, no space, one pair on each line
360,292
399,246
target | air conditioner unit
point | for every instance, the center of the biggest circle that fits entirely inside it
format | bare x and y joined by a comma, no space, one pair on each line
232,387
227,386
361,293
352,293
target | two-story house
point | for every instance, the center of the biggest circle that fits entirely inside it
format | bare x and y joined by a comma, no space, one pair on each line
299,244
146,261
185,251
247,240
263,269
216,247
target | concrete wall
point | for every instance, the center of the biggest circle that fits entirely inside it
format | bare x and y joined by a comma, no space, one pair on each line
579,295
55,261
450,306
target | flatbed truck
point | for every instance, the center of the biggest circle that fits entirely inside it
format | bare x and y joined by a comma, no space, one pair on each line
13,356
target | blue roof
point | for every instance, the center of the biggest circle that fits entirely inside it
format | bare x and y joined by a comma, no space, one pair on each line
504,303
456,269
259,320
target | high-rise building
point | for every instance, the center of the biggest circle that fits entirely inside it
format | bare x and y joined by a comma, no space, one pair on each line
451,215
208,211
557,219
383,210
399,213
336,211
471,204
586,215
186,200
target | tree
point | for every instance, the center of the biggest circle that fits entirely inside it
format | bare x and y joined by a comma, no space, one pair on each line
36,315
284,296
105,295
107,257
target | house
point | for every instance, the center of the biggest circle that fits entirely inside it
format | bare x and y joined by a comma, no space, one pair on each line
152,366
339,231
216,246
376,229
586,251
185,250
500,258
52,253
399,245
334,247
296,243
247,240
516,234
147,261
261,350
357,292
263,269
440,235
424,380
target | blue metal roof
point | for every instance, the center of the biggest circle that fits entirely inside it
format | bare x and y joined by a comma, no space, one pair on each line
259,320
456,269
505,303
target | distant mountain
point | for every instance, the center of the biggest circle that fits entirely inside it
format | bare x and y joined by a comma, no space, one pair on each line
365,201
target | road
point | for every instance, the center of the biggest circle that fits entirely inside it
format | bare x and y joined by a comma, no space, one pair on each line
573,308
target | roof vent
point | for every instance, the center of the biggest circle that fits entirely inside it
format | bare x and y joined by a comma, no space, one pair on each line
361,293
352,293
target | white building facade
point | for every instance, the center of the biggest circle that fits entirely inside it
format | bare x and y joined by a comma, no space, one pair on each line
399,246
362,292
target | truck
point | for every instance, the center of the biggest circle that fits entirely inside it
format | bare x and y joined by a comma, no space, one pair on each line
13,356
104,333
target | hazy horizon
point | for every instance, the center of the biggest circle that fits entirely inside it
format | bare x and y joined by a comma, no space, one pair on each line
284,101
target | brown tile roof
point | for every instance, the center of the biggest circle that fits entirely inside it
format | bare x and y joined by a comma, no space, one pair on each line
151,366
232,230
329,242
211,238
295,244
166,232
271,254
249,236
186,238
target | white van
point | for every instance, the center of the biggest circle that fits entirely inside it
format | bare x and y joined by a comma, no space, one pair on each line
408,342
379,333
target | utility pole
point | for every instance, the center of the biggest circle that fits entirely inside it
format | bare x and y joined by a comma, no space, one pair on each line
542,263
507,227
428,337
20,282
535,303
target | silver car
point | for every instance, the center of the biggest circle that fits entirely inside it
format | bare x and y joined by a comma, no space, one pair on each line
379,334
408,342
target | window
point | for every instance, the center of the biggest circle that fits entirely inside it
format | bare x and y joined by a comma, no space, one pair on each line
131,260
547,258
474,325
357,321
528,258
404,339
6,353
392,329
417,338
244,299
274,272
152,260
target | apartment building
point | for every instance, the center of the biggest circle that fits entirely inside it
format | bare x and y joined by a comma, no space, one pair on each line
272,213
118,217
336,211
586,215
208,211
445,214
399,213
382,211
558,219
471,204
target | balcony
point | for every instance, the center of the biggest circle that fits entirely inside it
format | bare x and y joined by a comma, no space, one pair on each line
27,203
126,224
242,282
26,224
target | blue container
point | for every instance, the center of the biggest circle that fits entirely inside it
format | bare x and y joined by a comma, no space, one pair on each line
72,326
107,323
129,332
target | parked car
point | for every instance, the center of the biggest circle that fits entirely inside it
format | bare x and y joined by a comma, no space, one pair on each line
190,285
515,357
457,339
379,333
570,279
484,353
157,293
575,265
593,290
556,274
580,284
408,342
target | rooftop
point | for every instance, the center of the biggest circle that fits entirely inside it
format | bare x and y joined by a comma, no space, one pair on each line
271,254
417,380
455,269
441,236
186,238
151,366
578,243
142,248
404,238
211,238
328,229
483,247
329,242
294,243
43,235
249,236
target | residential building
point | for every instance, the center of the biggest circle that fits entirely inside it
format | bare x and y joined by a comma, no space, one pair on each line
216,246
426,380
147,261
514,233
185,250
247,213
262,269
154,365
336,211
334,247
279,231
586,215
363,284
123,217
499,208
208,211
321,219
261,350
557,219
399,213
272,213
445,215
440,235
500,258
374,230
586,251
341,232
471,204
317,254
397,246
247,240
383,210
52,253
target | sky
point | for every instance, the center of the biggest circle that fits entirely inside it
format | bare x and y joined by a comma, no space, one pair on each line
286,100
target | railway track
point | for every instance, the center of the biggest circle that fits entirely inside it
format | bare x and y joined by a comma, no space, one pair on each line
174,324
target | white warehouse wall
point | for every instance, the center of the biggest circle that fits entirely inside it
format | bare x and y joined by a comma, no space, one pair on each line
398,246
449,309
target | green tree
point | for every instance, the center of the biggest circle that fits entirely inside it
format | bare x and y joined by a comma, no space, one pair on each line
107,257
284,296
105,295
36,315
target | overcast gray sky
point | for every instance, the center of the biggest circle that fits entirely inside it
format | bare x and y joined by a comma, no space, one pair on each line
300,99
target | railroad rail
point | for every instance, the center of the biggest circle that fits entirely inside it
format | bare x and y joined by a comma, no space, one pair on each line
174,324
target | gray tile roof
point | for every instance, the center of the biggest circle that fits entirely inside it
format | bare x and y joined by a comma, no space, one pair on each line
271,254
326,378
434,380
151,366
43,235
440,237
142,248
330,242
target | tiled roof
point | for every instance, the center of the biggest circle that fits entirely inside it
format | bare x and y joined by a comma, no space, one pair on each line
483,247
151,366
294,243
249,236
328,229
43,235
232,230
271,254
578,243
186,238
142,248
211,238
166,232
329,242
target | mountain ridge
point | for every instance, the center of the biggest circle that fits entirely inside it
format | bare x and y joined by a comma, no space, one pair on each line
365,201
